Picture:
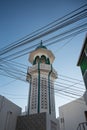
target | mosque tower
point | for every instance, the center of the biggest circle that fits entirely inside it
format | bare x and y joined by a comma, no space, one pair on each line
41,76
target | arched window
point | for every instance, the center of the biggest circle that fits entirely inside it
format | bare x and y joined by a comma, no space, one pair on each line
43,59
37,59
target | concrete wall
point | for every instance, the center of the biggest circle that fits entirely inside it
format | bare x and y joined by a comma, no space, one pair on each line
32,122
41,121
71,114
52,122
8,114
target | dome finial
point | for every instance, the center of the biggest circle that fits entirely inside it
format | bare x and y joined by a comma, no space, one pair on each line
41,43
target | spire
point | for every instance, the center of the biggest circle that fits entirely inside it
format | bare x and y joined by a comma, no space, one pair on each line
41,43
41,46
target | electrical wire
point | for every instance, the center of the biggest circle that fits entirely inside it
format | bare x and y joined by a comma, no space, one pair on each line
64,36
16,72
55,27
23,66
13,72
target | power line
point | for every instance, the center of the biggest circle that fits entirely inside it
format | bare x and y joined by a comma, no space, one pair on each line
61,24
13,72
23,66
3,85
66,89
17,73
69,77
65,35
57,90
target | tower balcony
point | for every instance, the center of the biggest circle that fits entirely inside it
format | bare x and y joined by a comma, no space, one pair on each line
43,67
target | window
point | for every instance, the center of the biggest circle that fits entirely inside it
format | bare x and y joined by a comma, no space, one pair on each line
34,93
43,59
44,92
37,59
85,115
62,120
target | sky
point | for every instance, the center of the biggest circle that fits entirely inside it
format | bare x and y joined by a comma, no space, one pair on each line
19,18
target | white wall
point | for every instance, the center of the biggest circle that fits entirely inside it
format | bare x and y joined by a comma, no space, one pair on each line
8,114
71,114
51,122
85,97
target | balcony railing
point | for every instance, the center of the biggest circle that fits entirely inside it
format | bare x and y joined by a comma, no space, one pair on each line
43,67
82,126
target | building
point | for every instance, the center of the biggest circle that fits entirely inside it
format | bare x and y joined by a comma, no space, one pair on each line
8,114
41,103
41,76
73,115
82,62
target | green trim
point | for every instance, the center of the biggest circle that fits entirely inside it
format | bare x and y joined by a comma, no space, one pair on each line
83,65
29,95
38,88
47,61
49,90
34,62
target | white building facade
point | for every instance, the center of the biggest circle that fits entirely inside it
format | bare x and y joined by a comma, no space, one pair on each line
72,114
8,114
41,77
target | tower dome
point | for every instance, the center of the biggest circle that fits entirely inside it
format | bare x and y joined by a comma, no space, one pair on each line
41,52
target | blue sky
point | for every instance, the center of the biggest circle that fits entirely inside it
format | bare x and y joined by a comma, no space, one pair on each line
21,17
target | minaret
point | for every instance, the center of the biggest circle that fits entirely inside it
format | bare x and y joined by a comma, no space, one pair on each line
41,76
